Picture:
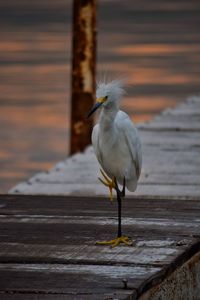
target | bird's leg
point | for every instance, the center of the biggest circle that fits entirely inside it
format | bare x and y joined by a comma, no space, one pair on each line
119,201
108,182
121,193
120,238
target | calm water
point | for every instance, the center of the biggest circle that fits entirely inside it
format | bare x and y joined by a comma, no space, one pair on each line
155,44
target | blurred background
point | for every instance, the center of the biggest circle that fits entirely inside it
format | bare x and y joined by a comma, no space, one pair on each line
155,44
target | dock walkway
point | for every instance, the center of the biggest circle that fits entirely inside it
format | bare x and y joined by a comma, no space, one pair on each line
171,161
48,251
48,239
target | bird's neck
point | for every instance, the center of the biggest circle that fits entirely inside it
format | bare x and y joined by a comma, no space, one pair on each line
107,117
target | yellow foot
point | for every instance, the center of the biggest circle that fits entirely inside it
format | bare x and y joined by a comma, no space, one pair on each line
108,182
120,240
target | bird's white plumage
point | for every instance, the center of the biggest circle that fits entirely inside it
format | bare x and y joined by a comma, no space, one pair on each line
115,139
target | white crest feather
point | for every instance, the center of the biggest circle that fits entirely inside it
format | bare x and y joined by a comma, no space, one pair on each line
113,89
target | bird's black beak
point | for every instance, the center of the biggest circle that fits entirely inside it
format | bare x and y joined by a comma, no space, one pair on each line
95,107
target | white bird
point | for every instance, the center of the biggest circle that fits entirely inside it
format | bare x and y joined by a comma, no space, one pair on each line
117,147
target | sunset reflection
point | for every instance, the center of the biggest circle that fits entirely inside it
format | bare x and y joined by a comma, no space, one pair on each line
157,49
155,46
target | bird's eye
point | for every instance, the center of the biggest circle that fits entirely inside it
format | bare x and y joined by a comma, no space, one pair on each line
106,97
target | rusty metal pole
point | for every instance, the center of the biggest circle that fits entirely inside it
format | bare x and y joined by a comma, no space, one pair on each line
83,72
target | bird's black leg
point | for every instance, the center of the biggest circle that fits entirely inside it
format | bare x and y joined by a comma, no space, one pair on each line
120,194
120,238
123,192
119,201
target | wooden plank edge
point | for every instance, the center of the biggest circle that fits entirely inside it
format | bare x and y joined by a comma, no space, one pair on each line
168,270
91,197
37,295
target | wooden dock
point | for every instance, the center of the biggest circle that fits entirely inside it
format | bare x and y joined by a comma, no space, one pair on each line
48,246
171,162
48,249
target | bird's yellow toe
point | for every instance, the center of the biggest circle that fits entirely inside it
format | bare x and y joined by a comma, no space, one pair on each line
110,183
119,240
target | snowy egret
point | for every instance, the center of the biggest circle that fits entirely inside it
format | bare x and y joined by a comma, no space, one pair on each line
117,147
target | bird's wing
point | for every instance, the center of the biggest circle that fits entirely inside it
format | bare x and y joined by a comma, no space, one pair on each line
132,139
95,143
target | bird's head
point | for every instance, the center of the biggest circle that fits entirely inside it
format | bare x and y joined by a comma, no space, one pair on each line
108,95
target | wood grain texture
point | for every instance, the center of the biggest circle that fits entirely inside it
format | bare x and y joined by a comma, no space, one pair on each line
48,246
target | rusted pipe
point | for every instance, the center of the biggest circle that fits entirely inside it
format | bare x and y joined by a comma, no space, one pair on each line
83,72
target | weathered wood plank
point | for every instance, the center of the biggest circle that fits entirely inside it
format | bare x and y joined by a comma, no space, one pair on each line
183,111
176,179
36,296
95,228
81,206
189,139
194,126
159,191
146,178
43,296
70,279
90,254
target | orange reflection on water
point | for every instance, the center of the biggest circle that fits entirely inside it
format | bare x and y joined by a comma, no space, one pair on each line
148,103
160,76
31,137
142,108
28,118
156,49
